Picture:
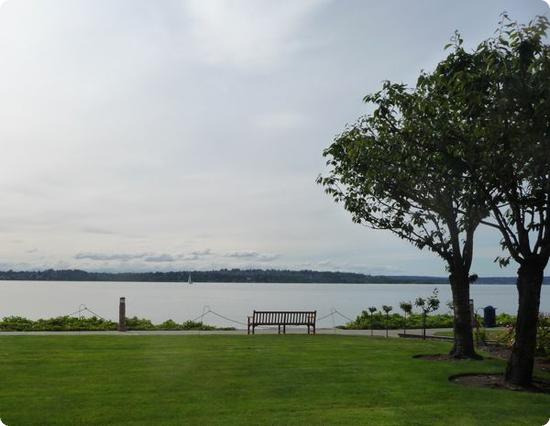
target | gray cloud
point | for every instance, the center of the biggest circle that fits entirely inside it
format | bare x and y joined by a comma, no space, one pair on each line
262,257
122,257
199,253
145,257
160,258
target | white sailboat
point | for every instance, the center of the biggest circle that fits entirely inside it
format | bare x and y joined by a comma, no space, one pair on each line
190,281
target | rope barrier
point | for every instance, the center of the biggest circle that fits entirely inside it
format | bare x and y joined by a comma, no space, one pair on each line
334,312
84,308
208,310
227,319
343,316
97,315
325,316
73,313
200,317
205,310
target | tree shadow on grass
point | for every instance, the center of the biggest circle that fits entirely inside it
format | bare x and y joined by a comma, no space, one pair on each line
496,381
445,357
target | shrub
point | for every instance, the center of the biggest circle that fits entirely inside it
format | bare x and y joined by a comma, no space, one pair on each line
543,335
136,323
191,325
169,325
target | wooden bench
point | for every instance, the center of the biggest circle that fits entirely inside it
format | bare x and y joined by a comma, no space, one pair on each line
282,318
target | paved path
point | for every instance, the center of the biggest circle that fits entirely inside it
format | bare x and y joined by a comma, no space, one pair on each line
335,331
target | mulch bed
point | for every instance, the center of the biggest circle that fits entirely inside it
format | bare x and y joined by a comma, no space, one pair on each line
496,351
496,381
503,352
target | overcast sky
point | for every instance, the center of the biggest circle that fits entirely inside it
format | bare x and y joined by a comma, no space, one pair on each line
166,135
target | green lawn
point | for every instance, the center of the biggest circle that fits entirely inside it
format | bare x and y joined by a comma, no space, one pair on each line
269,379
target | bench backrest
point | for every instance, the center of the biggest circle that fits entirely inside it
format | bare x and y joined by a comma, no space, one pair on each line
284,317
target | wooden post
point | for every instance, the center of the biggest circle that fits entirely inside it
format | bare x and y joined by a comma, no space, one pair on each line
122,314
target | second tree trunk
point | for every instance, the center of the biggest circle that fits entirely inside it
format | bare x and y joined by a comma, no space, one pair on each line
519,370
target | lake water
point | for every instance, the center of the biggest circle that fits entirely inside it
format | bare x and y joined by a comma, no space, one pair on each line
181,301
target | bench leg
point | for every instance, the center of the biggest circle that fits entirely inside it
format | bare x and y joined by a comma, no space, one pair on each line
279,329
253,329
308,332
284,328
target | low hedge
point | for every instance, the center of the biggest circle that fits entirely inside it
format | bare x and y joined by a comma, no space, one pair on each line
397,321
69,323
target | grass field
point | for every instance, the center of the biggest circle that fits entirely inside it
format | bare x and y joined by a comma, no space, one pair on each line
264,379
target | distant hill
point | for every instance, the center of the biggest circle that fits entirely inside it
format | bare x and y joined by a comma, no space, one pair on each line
239,275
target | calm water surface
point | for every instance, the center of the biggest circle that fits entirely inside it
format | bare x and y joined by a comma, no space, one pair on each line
181,301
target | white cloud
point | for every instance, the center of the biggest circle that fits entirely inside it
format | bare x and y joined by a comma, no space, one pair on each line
247,34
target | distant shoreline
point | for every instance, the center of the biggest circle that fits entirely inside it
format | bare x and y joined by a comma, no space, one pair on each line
240,276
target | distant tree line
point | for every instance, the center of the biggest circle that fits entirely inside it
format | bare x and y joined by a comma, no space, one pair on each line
238,276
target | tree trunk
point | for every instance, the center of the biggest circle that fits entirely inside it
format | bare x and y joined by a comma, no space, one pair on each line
424,326
463,334
519,370
371,326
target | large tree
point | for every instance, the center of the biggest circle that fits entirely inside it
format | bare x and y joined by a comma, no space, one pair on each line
507,79
398,169
476,131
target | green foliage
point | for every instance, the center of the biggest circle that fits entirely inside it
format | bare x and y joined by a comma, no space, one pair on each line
428,304
364,322
507,81
395,321
543,334
193,325
64,323
399,168
135,323
68,323
187,325
406,307
505,320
